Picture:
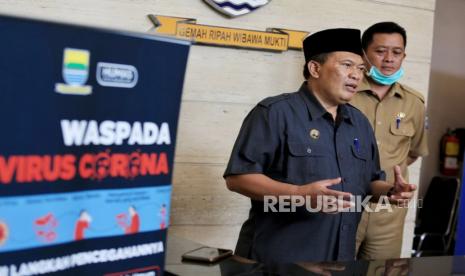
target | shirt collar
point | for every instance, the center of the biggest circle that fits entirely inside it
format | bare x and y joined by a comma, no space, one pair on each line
344,112
395,89
314,107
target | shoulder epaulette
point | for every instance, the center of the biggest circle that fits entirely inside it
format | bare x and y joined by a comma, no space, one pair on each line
413,92
267,102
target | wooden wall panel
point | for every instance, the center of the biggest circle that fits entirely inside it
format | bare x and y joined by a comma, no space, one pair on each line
223,236
240,76
207,131
223,84
426,4
203,185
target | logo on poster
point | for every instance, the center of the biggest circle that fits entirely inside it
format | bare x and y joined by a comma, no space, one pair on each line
233,8
116,75
75,72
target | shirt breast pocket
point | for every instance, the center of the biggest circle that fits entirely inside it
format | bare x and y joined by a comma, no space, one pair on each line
307,162
402,129
359,166
401,137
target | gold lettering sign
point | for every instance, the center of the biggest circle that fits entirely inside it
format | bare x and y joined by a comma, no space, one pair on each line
274,39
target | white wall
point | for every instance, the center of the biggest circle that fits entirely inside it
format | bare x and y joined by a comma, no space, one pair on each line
223,84
446,99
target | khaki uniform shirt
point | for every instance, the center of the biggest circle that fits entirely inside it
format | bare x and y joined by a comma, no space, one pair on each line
396,139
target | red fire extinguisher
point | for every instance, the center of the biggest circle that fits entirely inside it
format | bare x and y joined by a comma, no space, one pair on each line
449,154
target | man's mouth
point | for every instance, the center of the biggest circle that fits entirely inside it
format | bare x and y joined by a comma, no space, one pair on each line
351,87
387,68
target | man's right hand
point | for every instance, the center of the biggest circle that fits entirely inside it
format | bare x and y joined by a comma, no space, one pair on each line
257,186
332,201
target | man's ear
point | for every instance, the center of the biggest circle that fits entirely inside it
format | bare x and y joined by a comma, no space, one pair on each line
314,69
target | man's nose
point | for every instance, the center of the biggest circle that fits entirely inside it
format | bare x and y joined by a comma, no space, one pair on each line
355,74
388,57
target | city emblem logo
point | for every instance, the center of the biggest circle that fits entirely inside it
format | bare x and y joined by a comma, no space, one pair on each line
234,8
75,72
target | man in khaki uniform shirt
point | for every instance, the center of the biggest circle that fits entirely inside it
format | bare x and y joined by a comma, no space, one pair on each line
397,115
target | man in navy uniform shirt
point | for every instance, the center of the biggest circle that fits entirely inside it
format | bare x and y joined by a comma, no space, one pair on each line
310,143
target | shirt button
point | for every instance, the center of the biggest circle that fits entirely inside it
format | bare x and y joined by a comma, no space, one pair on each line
378,122
309,150
378,143
345,227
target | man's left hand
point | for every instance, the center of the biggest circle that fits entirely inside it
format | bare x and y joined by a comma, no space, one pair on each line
401,192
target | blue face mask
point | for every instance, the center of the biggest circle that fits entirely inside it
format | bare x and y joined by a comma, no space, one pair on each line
380,78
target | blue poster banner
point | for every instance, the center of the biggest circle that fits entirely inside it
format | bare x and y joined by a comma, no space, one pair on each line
88,128
460,233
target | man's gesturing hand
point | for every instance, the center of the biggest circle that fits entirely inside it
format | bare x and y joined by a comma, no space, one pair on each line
401,192
332,201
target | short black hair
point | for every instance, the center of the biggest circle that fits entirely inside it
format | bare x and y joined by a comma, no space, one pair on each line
320,58
382,28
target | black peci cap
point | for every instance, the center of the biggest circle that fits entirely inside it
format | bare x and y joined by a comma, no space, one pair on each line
331,40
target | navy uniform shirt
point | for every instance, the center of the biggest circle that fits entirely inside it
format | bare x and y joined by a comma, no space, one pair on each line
275,140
